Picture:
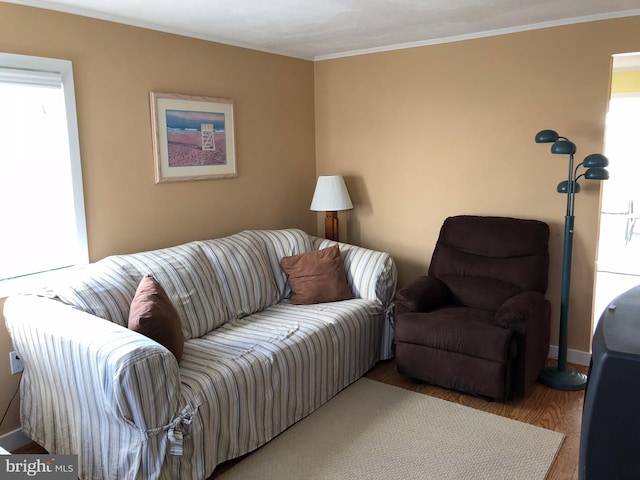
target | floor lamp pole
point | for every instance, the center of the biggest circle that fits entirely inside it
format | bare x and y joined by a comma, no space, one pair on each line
565,292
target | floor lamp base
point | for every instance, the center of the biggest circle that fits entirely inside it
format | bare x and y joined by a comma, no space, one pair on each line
563,379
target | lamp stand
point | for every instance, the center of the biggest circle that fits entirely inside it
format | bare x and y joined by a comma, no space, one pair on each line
331,226
562,378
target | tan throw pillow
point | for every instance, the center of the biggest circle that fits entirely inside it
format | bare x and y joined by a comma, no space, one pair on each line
317,276
152,314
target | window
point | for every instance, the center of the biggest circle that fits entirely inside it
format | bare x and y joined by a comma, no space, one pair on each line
42,220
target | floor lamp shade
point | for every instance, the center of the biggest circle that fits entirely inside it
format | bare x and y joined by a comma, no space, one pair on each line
331,195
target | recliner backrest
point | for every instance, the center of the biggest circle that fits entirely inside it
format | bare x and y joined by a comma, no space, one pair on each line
486,260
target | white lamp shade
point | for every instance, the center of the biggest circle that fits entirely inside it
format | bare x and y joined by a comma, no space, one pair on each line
331,194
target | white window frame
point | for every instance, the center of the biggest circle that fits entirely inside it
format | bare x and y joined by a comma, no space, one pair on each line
64,68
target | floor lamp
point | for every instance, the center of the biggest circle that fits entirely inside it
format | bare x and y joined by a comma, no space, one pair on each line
331,195
562,378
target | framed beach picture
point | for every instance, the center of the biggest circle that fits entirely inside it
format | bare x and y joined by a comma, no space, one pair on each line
193,137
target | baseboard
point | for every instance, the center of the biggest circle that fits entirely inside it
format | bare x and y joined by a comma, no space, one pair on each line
573,356
13,440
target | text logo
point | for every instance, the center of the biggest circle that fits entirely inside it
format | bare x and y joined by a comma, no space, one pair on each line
49,467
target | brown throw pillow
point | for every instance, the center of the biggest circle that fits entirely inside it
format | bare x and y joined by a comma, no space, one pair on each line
152,314
317,276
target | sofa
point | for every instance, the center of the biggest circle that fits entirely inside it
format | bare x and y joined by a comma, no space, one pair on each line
253,360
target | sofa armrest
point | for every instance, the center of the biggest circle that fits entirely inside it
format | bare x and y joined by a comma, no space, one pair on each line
372,275
421,295
71,357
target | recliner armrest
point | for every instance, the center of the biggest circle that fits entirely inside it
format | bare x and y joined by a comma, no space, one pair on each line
515,312
422,295
528,315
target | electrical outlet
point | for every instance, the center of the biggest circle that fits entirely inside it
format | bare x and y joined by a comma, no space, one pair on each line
15,362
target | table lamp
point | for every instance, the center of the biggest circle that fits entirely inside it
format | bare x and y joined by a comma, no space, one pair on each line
331,195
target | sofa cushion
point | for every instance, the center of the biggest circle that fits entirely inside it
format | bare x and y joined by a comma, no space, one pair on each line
317,276
262,373
152,314
187,277
245,280
279,244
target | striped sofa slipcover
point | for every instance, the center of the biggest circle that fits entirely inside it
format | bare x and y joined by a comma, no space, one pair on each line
253,363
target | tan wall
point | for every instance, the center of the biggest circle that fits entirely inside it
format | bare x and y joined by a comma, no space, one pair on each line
115,68
424,133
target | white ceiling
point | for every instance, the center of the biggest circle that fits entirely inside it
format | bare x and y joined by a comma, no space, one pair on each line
322,29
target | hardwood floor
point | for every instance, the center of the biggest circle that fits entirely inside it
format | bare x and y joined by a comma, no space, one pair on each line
545,407
30,449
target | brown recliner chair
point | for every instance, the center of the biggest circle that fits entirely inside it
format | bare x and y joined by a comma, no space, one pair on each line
478,322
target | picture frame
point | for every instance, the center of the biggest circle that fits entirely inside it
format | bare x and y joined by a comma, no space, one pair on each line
193,137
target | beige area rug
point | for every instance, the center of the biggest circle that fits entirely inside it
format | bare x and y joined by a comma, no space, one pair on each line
376,431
